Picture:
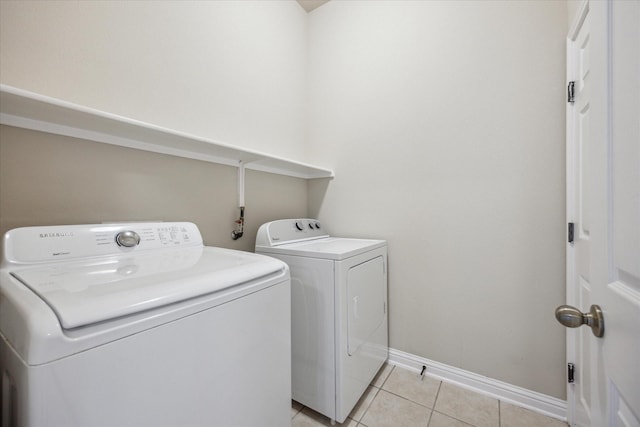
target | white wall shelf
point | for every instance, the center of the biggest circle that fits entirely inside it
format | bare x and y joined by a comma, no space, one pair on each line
28,110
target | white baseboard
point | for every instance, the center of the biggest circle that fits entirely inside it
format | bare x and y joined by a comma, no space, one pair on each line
538,402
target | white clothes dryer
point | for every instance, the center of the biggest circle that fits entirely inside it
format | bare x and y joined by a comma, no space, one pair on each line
339,311
140,324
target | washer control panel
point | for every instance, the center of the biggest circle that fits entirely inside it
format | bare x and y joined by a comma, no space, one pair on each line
54,243
289,230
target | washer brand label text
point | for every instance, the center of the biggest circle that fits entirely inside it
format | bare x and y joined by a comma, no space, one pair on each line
58,234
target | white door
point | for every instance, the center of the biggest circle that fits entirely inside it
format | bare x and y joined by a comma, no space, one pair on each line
603,171
579,151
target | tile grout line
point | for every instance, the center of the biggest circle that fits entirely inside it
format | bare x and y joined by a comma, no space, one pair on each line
374,397
434,403
370,403
407,399
393,367
451,416
447,415
430,416
454,418
410,400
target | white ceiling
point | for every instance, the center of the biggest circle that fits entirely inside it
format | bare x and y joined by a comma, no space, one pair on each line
310,5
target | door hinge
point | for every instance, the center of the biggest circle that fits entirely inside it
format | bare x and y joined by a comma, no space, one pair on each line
570,232
570,372
571,92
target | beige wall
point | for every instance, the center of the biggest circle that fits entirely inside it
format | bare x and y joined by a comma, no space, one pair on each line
444,123
227,71
230,71
48,179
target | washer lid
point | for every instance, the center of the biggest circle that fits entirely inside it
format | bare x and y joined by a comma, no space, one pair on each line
336,248
83,293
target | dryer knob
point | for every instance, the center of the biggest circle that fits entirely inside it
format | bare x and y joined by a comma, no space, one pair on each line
299,225
128,239
317,224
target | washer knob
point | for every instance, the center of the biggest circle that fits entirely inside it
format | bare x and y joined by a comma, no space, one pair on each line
128,239
317,224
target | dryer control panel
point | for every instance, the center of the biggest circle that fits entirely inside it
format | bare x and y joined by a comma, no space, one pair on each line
289,230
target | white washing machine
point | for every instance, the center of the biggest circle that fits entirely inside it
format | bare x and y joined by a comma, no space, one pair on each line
141,325
339,311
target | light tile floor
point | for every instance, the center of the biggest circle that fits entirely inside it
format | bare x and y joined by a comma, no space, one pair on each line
399,398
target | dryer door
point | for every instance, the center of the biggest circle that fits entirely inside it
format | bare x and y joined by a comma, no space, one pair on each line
361,295
366,299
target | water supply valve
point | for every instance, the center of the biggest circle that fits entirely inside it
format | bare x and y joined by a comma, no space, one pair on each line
239,231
